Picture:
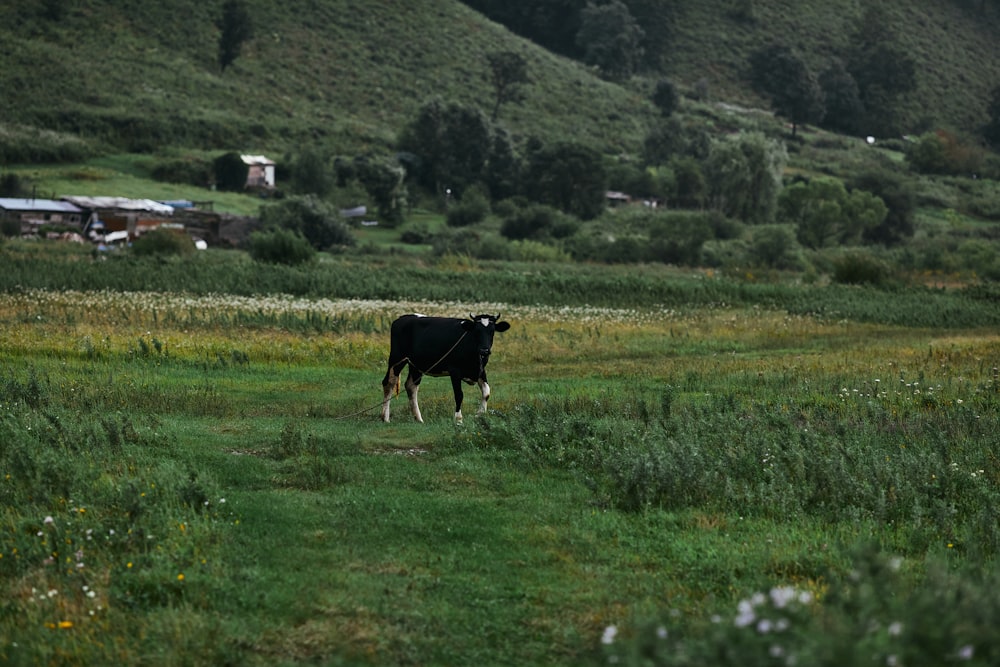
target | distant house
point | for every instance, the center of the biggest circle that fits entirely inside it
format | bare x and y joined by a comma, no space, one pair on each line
33,213
260,172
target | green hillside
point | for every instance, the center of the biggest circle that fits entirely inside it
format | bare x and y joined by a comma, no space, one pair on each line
955,44
143,75
340,71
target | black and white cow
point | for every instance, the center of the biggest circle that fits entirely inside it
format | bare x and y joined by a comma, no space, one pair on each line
439,346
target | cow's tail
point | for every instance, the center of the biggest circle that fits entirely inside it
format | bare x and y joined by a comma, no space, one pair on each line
398,380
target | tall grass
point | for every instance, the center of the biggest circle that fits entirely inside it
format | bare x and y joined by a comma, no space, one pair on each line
686,486
498,282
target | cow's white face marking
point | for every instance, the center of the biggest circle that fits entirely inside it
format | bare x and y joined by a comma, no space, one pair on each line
485,321
419,314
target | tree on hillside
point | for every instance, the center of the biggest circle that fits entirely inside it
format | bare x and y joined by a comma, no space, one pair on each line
610,39
236,28
844,110
448,146
777,72
743,174
665,97
311,173
552,24
568,176
900,200
826,213
883,71
658,20
508,73
991,132
503,168
384,182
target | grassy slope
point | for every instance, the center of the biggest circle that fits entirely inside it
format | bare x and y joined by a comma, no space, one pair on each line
350,72
953,44
342,71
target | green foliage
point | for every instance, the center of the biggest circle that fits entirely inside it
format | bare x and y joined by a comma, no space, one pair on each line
568,176
744,176
991,131
610,38
772,246
163,241
880,613
281,246
230,172
236,27
383,180
900,200
942,152
188,170
845,112
782,75
450,145
315,220
473,207
537,222
860,268
665,97
311,173
826,213
508,74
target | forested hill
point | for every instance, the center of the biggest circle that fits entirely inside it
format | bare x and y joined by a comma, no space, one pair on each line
954,44
351,72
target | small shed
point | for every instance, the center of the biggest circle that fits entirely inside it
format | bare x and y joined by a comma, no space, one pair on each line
33,213
260,172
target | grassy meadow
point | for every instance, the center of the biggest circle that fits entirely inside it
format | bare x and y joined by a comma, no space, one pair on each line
202,478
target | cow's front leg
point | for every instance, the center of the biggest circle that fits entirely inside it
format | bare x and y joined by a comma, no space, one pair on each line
412,387
484,387
456,385
389,382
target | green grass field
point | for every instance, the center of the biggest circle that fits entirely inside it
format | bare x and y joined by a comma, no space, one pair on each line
204,480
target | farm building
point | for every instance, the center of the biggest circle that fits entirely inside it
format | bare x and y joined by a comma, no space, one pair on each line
261,171
33,213
107,215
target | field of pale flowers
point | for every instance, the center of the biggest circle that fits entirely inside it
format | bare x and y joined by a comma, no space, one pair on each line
865,453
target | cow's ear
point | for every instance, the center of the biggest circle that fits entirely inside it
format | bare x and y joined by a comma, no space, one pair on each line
502,326
468,325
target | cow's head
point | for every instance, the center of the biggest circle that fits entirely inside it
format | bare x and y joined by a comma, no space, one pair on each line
482,327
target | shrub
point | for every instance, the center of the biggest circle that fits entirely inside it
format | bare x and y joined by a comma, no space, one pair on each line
532,222
316,220
860,268
772,246
884,611
188,170
281,246
942,152
163,241
473,208
9,227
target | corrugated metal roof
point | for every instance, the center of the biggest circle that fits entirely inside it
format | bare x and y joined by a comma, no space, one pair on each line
47,205
121,203
257,159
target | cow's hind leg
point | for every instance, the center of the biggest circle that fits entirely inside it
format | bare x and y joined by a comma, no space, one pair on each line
412,387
